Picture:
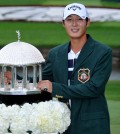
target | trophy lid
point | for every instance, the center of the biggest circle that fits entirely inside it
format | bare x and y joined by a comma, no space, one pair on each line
20,53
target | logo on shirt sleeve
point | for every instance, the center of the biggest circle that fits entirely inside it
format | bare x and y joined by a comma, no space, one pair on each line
83,75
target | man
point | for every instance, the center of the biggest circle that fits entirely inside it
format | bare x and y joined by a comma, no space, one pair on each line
77,73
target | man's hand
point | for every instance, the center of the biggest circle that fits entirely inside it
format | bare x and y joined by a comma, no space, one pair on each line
8,77
45,85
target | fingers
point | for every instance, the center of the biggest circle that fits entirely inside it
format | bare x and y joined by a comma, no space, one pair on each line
8,75
45,85
42,85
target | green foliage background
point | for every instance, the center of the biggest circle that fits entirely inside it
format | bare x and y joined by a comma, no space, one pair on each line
60,2
52,34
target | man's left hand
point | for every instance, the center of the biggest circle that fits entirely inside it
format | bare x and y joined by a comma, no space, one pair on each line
45,85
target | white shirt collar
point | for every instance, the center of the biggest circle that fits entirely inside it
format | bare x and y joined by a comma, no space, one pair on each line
72,55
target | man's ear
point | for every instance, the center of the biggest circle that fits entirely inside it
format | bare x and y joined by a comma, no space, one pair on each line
88,22
63,23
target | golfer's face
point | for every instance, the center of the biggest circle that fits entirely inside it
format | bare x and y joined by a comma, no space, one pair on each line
75,26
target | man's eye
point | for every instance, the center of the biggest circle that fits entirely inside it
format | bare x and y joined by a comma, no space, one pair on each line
80,19
69,19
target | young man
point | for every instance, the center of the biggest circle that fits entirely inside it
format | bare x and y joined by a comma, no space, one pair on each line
77,72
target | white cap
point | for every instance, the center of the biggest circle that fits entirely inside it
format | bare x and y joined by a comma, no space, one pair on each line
77,9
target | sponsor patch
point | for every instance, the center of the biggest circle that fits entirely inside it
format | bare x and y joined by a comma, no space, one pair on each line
74,7
83,75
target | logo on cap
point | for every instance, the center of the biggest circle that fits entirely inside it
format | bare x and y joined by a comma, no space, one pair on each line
83,75
74,7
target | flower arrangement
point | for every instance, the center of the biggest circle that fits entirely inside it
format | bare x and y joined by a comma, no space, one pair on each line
37,118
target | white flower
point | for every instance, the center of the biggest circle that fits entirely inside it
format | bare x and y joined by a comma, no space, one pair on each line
44,117
50,116
4,121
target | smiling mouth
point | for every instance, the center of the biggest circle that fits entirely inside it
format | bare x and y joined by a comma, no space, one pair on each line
74,30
